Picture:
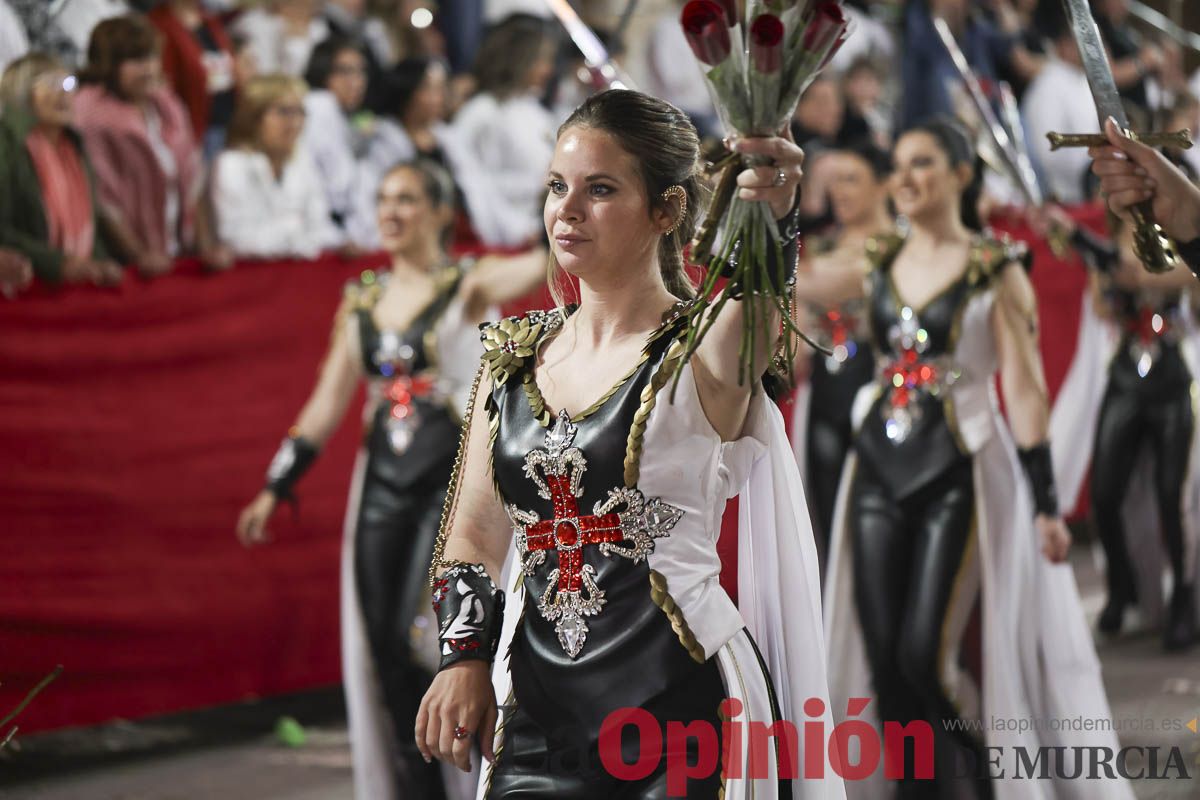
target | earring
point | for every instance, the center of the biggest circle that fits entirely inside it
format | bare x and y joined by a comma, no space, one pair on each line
679,194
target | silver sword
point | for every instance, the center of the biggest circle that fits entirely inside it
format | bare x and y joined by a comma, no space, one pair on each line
605,73
1021,173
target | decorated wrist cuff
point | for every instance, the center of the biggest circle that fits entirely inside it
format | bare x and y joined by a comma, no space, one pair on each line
470,610
1039,470
293,458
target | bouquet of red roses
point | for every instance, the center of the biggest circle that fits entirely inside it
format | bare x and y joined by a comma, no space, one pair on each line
756,69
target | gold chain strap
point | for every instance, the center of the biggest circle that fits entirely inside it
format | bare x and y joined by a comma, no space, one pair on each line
439,547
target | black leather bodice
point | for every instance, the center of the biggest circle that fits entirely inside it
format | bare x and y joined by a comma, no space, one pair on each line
907,435
836,379
629,652
412,431
1149,361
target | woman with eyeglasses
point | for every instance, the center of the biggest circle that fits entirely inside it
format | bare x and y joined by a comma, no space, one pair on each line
48,206
340,133
266,193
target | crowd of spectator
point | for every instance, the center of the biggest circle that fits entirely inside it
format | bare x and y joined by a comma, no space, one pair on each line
134,132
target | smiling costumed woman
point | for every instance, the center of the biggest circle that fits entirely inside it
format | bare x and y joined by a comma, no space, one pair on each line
614,491
938,602
829,286
410,332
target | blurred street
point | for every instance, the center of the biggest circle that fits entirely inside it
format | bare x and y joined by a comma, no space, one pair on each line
232,754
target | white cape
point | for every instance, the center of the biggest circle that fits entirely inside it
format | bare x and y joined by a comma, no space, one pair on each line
1038,659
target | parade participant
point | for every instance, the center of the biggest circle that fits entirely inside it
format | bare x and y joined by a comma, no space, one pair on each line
829,283
410,332
613,488
1145,442
934,564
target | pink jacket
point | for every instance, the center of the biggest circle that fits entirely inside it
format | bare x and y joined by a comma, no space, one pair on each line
130,181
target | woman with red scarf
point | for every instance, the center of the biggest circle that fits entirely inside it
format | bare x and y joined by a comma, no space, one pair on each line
48,209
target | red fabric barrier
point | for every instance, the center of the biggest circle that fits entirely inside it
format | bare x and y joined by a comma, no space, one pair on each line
134,424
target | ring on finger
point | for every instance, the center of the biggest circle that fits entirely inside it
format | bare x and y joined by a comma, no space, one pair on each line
461,733
780,177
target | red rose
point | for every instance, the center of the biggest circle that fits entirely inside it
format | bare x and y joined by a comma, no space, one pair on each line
827,21
704,24
731,12
766,43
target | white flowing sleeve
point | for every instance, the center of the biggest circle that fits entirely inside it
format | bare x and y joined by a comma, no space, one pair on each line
779,589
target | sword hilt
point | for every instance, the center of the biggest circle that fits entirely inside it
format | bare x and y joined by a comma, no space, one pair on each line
1178,139
1153,248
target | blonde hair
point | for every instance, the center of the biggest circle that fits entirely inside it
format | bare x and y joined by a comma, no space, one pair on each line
16,85
258,95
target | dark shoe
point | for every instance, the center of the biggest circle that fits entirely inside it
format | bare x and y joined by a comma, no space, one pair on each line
1180,632
1120,595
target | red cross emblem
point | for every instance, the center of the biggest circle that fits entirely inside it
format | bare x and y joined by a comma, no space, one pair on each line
910,375
907,374
625,524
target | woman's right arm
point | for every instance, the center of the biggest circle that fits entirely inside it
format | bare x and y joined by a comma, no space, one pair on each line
319,418
475,531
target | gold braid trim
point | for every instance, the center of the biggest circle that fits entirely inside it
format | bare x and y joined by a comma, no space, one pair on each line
448,506
633,447
658,593
883,248
502,723
537,403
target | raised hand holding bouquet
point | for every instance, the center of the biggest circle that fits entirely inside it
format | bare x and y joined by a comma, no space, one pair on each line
756,69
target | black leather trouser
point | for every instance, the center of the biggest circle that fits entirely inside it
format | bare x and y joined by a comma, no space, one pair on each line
829,440
1129,419
534,763
907,555
393,546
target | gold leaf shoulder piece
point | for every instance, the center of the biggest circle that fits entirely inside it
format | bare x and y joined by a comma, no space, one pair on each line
447,278
991,254
510,342
883,248
364,292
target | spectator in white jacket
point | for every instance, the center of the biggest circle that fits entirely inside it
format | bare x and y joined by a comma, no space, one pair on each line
282,34
416,98
266,194
504,126
338,136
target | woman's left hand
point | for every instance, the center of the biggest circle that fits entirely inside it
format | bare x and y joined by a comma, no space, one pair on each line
775,183
1055,538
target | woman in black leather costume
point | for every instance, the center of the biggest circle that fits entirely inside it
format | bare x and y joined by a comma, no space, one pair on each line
614,497
913,509
1148,403
829,282
408,332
